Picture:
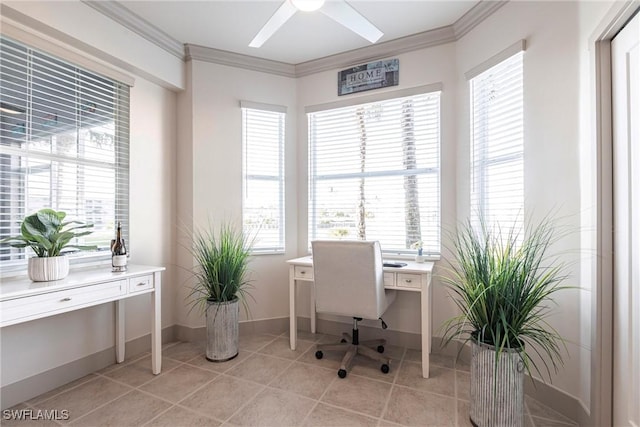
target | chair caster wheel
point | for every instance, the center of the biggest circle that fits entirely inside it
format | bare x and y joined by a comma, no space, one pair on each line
380,349
319,354
384,368
342,373
343,341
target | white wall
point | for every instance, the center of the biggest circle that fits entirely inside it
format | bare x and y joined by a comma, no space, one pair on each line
37,346
210,172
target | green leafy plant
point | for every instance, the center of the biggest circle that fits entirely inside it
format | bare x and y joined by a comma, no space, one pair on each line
222,271
47,234
503,284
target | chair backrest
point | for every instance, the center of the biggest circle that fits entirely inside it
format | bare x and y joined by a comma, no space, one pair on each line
348,278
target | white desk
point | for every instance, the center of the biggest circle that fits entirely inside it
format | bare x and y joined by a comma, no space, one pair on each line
22,300
415,277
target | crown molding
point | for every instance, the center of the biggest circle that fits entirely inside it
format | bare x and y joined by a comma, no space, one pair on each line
135,23
223,57
438,36
475,16
377,51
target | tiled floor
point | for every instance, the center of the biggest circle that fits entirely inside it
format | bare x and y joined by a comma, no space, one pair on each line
269,385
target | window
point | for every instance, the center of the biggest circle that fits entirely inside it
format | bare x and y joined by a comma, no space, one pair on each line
497,139
263,175
64,144
374,173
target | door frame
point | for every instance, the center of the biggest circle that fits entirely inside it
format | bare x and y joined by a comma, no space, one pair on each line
601,402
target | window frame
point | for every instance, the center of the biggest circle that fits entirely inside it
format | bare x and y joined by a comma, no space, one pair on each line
76,75
480,161
251,232
361,101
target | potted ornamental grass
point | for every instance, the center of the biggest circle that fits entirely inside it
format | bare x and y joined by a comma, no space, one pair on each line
503,283
48,235
221,285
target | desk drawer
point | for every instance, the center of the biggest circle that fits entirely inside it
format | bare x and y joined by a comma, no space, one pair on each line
34,307
303,273
406,280
139,284
389,280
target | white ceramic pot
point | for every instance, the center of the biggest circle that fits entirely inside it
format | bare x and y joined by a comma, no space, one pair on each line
46,269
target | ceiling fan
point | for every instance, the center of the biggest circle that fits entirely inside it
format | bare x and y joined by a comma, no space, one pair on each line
338,10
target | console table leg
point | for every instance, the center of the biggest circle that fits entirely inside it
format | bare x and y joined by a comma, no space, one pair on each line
120,331
293,320
156,325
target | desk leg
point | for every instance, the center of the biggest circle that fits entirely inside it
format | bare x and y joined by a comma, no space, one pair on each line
293,320
425,314
156,324
312,307
120,331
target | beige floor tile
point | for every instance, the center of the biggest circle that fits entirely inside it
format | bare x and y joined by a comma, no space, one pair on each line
369,368
358,394
280,348
462,385
274,408
180,417
412,407
441,380
463,414
538,410
260,368
222,397
137,373
330,359
132,409
325,415
128,360
255,342
543,422
179,382
58,390
307,380
201,362
413,355
308,336
184,351
85,398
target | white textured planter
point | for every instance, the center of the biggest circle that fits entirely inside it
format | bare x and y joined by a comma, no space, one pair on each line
46,269
497,391
222,330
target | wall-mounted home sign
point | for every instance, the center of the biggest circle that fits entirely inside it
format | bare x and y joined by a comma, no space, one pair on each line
373,75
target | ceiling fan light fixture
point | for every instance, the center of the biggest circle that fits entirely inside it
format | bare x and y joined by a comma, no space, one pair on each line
307,5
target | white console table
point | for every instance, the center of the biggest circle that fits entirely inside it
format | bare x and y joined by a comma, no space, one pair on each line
22,300
414,277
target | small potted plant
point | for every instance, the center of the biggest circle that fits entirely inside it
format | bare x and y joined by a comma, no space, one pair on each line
46,233
221,285
418,245
503,282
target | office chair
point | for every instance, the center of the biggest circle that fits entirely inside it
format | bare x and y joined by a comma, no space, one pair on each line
349,281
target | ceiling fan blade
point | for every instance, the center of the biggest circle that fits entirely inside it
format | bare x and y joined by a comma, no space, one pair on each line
343,13
281,16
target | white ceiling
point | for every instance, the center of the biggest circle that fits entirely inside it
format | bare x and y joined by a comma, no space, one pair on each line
231,24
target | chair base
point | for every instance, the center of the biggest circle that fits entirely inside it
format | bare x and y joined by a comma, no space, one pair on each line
369,348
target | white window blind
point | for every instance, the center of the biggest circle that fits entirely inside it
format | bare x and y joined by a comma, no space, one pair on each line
64,145
374,173
497,136
263,131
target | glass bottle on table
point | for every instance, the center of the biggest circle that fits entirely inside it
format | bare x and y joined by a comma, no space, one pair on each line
118,252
